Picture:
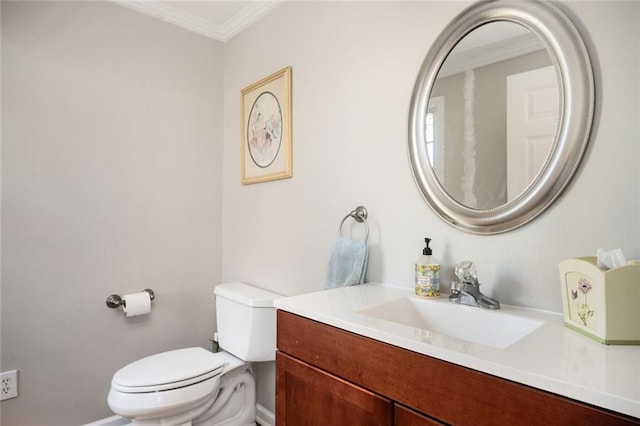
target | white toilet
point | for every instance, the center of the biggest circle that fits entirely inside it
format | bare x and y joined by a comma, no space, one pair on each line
195,386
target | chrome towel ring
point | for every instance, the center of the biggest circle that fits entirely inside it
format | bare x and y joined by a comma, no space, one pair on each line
359,214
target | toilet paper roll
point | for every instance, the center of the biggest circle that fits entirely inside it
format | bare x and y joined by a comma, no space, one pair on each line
136,304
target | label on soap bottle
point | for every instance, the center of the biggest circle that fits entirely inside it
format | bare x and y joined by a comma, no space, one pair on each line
427,280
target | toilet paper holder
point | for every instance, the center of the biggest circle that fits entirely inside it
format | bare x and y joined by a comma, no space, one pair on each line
115,301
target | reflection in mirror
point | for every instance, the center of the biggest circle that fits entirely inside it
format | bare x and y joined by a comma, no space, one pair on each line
492,115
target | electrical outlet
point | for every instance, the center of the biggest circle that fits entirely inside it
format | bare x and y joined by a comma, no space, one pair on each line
9,380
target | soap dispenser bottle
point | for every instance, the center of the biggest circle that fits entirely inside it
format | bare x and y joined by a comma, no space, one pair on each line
427,273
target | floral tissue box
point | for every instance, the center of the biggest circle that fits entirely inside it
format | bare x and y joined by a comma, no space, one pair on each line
604,305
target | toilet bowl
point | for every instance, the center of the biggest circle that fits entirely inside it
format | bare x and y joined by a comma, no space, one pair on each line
193,386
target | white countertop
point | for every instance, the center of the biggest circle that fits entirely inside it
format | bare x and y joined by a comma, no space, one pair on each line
552,357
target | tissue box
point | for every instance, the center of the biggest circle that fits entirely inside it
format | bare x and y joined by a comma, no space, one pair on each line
604,305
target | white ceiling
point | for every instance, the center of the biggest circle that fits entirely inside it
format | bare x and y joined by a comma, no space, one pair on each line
217,19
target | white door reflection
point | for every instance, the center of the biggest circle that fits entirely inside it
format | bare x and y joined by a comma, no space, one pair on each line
533,111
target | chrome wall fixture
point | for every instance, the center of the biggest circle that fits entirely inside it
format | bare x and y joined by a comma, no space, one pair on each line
359,214
115,301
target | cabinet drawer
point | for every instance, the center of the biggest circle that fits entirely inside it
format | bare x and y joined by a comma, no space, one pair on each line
404,416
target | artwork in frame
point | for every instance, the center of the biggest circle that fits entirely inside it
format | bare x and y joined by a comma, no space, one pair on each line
266,129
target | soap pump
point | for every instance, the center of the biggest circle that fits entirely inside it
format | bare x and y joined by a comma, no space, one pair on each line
427,273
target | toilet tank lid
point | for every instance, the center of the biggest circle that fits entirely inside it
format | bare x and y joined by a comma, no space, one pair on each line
246,294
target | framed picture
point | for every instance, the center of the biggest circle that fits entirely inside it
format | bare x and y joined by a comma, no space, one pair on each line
266,129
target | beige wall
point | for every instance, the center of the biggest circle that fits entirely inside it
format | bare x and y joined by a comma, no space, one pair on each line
354,65
112,182
103,199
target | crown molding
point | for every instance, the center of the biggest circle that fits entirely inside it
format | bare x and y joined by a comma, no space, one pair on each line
251,13
248,15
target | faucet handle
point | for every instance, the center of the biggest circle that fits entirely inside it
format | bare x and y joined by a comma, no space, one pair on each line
466,272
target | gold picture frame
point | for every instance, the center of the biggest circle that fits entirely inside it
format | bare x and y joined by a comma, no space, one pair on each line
266,129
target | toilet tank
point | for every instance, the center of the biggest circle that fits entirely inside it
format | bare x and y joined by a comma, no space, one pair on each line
246,321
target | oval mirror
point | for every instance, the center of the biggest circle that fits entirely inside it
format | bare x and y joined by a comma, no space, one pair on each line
500,115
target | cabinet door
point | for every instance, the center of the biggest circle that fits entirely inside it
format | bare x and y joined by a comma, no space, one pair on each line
406,417
307,396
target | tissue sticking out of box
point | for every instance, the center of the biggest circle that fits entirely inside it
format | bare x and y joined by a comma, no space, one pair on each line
610,259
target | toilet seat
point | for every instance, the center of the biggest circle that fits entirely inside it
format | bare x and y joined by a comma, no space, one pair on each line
168,370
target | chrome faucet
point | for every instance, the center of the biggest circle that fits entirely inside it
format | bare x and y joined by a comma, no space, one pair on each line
467,290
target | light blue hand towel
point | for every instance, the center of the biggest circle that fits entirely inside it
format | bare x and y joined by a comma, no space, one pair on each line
347,264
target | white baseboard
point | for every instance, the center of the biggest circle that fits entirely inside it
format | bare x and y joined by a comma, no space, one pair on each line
110,421
265,417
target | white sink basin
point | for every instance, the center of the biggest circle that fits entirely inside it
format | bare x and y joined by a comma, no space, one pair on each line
496,328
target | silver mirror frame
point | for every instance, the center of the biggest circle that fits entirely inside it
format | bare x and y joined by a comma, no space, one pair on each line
576,86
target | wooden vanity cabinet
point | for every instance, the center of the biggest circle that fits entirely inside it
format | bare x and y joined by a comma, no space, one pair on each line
328,376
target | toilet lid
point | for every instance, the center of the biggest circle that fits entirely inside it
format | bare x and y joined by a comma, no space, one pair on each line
168,370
